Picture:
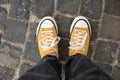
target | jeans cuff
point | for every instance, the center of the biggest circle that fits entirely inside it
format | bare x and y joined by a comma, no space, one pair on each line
48,57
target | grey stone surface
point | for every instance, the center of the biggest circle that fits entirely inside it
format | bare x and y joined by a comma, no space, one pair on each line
112,7
6,73
0,37
95,29
33,28
118,57
116,73
24,68
91,8
42,8
110,28
31,52
9,61
105,51
63,49
90,51
12,51
4,1
64,24
20,9
105,67
66,6
3,14
10,55
15,30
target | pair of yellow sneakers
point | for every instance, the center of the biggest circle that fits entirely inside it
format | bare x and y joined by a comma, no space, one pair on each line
47,36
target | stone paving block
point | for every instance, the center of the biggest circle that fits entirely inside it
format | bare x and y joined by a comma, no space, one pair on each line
90,50
33,28
42,8
94,29
10,55
10,50
6,73
105,51
0,37
3,14
31,52
68,6
91,8
112,7
20,9
110,28
118,57
4,1
15,30
63,49
116,73
24,68
105,67
8,60
64,24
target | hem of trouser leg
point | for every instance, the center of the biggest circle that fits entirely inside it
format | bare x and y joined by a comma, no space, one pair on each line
49,57
76,55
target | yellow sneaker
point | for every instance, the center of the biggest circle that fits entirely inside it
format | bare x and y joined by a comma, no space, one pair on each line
47,37
79,36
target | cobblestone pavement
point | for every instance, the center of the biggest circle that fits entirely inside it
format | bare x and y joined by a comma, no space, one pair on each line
19,19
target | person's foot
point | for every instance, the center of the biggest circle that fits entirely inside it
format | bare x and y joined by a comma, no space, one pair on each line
47,37
79,36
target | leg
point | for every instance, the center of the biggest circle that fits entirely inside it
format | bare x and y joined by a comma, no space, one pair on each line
49,68
80,67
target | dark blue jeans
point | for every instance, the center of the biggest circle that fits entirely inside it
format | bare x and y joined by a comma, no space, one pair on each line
78,67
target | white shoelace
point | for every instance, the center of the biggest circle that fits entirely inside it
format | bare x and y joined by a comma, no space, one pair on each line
48,40
79,44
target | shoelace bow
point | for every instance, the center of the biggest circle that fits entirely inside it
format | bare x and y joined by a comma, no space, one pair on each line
48,40
79,40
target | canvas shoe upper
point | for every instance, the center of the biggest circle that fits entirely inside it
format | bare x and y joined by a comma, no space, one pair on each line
47,37
79,36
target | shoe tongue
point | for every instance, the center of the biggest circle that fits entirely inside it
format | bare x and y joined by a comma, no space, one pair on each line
74,52
51,52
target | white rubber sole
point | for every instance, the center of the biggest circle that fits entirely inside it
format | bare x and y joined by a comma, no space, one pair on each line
78,18
47,17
